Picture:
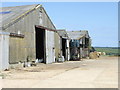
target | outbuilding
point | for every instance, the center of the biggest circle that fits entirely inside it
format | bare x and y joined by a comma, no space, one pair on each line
80,44
32,34
65,48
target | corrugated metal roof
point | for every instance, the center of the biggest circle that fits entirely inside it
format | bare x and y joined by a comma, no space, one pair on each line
62,32
10,13
78,34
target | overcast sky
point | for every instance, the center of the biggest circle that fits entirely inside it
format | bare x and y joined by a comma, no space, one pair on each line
99,18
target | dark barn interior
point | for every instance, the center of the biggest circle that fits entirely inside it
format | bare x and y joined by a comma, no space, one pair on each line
40,44
64,47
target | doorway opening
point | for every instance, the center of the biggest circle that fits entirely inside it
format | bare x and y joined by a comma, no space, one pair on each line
64,48
40,44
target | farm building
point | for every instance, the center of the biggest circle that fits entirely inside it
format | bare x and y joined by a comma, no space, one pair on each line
32,34
65,50
79,44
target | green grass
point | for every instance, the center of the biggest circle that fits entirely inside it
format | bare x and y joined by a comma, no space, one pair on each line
108,50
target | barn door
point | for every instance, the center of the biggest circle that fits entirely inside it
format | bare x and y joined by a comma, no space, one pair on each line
50,47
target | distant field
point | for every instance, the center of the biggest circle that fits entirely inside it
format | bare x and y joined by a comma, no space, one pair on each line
108,50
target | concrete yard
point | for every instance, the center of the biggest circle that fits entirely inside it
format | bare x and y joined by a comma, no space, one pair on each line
88,73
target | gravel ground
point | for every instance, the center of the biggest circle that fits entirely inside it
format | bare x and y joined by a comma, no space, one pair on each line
88,73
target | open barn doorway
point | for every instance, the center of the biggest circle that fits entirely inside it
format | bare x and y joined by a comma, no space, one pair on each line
64,48
40,44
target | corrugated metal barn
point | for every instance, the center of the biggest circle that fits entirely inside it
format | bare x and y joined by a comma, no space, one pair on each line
28,35
65,49
79,44
32,34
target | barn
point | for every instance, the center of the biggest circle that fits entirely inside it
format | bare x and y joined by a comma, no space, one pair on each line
65,49
32,34
79,45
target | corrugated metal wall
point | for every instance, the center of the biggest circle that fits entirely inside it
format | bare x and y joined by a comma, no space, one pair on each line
57,45
4,51
17,49
50,47
46,22
20,49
